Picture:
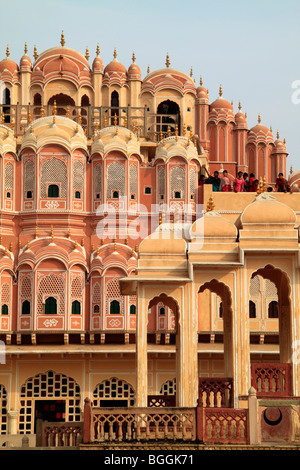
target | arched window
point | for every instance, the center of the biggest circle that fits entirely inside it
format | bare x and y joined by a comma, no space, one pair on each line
116,195
96,308
273,309
77,195
114,307
6,109
29,194
53,190
221,310
4,309
177,195
252,309
162,311
114,103
76,307
132,309
51,306
26,307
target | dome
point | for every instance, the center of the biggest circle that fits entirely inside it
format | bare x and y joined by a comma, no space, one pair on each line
240,117
201,91
25,63
115,66
260,128
134,72
213,225
61,58
8,64
267,210
98,64
221,103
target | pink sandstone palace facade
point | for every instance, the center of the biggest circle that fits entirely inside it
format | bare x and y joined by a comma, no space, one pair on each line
97,164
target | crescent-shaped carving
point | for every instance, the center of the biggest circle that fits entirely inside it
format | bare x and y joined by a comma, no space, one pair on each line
276,421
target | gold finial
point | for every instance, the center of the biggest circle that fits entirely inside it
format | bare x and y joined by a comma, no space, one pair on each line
62,39
284,141
98,250
105,121
160,219
115,53
35,54
240,106
133,57
264,184
87,54
25,48
115,119
117,130
271,129
191,132
82,242
210,205
102,241
2,118
201,82
176,132
125,120
259,119
291,170
133,127
169,131
148,69
260,186
42,111
168,61
19,244
277,135
79,118
10,246
191,72
161,136
98,49
220,91
68,111
54,110
7,51
75,245
29,115
184,130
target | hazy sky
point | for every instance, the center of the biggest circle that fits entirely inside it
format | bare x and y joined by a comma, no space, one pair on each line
250,47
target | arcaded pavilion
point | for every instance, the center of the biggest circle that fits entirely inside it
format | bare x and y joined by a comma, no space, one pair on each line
124,282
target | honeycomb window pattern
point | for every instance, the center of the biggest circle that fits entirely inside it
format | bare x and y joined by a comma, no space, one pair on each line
111,389
48,385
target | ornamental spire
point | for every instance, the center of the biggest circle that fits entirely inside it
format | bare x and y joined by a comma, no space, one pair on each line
98,49
133,57
167,61
25,48
35,54
62,39
220,91
87,54
7,51
115,53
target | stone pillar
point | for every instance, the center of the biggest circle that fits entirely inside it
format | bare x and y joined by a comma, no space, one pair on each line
253,434
13,422
141,351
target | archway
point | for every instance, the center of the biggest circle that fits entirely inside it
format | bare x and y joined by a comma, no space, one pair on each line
53,396
161,307
114,103
168,114
62,102
224,294
283,307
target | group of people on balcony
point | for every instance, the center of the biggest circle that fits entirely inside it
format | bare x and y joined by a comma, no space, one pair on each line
243,182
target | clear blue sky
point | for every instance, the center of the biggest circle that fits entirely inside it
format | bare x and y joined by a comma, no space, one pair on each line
250,47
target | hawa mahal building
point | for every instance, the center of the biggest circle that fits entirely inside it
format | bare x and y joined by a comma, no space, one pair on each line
114,287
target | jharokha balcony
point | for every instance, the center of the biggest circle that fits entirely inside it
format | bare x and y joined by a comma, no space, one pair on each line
151,126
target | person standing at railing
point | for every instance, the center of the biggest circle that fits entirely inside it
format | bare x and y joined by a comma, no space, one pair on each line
225,182
239,183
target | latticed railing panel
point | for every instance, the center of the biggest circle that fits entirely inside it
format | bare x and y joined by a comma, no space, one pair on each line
271,379
215,392
143,424
225,426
